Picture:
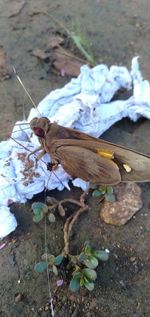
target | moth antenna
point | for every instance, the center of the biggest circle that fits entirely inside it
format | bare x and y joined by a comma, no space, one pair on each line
23,86
7,133
26,123
20,130
24,147
23,107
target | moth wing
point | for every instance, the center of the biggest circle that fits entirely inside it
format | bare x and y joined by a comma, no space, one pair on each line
87,165
138,163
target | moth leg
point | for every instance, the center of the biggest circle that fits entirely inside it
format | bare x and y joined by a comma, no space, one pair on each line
37,158
53,165
33,152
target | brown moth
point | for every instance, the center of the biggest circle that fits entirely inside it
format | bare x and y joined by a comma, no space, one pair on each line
94,160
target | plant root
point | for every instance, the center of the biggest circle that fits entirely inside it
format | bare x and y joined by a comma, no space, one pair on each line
72,219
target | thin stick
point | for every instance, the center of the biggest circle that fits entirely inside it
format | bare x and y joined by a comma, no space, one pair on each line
48,277
72,219
67,229
65,251
21,83
20,144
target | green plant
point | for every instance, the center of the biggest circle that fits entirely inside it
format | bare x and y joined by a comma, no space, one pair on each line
49,261
83,277
103,192
79,40
83,45
40,210
84,264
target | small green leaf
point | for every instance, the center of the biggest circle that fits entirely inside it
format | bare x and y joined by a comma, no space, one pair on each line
96,193
82,257
38,218
58,259
110,197
102,189
101,255
90,274
77,274
40,267
51,259
78,42
54,270
74,284
39,208
89,286
85,279
82,281
51,217
91,262
109,190
87,249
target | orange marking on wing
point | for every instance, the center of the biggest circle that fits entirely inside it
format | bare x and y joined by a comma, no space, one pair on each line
106,154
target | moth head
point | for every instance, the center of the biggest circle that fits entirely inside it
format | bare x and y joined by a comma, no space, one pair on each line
40,126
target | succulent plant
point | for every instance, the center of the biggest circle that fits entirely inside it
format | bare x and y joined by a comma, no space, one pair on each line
49,261
103,191
40,210
85,264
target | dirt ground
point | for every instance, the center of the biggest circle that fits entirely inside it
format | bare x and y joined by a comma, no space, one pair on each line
117,31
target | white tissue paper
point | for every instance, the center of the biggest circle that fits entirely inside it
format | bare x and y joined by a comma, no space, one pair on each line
84,104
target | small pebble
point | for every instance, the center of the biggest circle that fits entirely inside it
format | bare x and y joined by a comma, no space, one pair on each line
18,297
133,258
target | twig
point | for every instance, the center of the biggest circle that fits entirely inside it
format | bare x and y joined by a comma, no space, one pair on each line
72,219
66,238
48,277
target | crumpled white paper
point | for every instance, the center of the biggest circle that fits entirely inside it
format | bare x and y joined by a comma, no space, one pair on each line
84,104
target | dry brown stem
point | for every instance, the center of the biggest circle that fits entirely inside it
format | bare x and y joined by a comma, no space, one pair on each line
72,219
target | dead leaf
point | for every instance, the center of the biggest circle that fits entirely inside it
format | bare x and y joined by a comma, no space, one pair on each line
5,73
55,41
66,65
128,202
37,52
61,59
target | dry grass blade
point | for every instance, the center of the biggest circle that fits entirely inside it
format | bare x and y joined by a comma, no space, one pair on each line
76,39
